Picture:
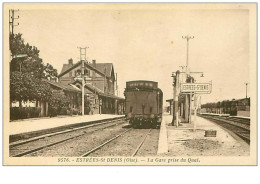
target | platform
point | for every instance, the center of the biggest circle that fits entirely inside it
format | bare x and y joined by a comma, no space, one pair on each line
29,125
163,140
184,141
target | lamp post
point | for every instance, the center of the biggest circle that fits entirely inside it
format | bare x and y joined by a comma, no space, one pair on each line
187,106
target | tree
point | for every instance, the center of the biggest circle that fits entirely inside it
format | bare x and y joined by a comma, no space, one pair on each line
57,101
32,63
17,88
23,86
27,74
50,71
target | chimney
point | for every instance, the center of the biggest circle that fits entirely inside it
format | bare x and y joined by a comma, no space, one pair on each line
94,62
70,62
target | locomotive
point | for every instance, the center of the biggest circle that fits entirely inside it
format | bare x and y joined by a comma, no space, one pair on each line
143,104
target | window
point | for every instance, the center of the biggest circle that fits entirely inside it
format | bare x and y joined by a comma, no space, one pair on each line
78,72
131,109
86,72
151,109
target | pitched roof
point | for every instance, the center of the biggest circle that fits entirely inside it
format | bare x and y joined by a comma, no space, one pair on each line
91,87
72,87
106,68
63,86
101,68
64,68
111,96
98,91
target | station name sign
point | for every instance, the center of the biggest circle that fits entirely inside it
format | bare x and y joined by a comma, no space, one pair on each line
196,87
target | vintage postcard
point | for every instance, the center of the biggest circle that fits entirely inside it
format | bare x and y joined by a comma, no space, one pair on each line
130,84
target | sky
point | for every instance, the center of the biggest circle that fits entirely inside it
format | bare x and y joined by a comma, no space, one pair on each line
147,44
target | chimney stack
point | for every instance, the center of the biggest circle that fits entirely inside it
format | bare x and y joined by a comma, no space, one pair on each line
70,62
94,62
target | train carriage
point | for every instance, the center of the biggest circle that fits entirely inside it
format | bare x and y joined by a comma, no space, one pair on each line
144,104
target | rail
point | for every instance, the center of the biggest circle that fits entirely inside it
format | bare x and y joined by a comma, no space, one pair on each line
15,144
240,126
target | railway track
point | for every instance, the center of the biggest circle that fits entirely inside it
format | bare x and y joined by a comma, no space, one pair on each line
239,126
25,147
141,143
114,138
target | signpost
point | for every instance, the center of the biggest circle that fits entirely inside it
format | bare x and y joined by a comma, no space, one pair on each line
197,89
203,88
187,88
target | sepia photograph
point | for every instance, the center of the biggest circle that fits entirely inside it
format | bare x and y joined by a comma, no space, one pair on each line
130,84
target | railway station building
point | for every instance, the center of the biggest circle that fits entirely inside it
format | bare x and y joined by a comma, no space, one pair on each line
100,87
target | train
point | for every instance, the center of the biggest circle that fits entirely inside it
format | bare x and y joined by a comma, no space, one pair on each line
143,104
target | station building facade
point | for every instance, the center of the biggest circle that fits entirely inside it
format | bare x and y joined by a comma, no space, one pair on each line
100,87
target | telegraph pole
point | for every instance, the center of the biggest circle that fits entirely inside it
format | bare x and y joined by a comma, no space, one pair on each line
187,108
246,83
187,60
82,52
12,19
